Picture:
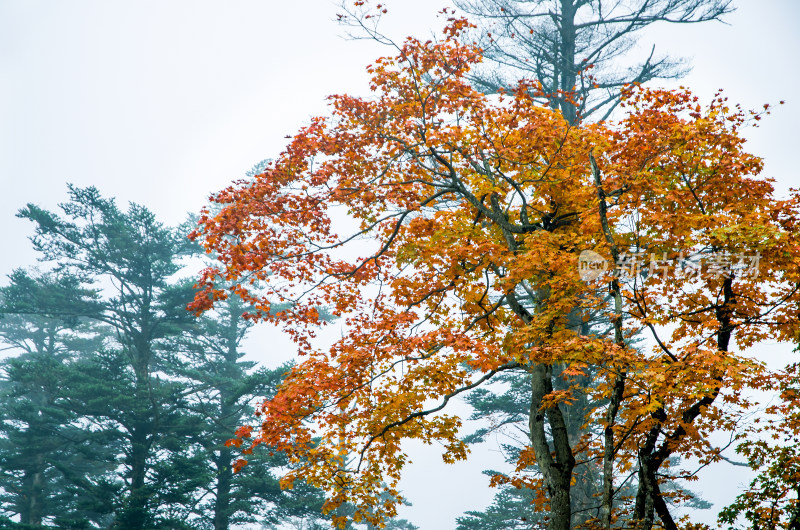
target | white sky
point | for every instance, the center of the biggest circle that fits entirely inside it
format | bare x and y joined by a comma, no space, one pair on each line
164,102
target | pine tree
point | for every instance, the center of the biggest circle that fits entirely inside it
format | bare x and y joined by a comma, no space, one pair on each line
50,464
121,401
130,258
224,390
582,52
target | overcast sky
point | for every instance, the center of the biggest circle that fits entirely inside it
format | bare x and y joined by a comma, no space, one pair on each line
162,102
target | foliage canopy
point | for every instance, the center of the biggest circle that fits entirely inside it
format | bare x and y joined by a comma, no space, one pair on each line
446,228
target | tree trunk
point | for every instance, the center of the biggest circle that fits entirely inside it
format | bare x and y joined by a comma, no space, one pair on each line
567,59
33,497
223,496
609,454
618,386
643,510
32,511
134,514
648,496
556,466
229,417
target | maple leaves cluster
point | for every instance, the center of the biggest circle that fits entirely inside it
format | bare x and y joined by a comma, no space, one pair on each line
443,227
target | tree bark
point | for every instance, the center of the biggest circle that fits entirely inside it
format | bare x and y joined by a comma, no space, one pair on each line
33,497
227,399
618,386
134,514
556,466
567,63
223,497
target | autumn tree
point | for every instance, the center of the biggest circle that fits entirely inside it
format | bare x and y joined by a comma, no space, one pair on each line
225,389
579,54
471,214
735,283
582,54
772,499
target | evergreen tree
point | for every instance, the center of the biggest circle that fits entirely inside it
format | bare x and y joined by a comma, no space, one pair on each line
130,258
50,464
120,402
582,52
511,509
224,390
